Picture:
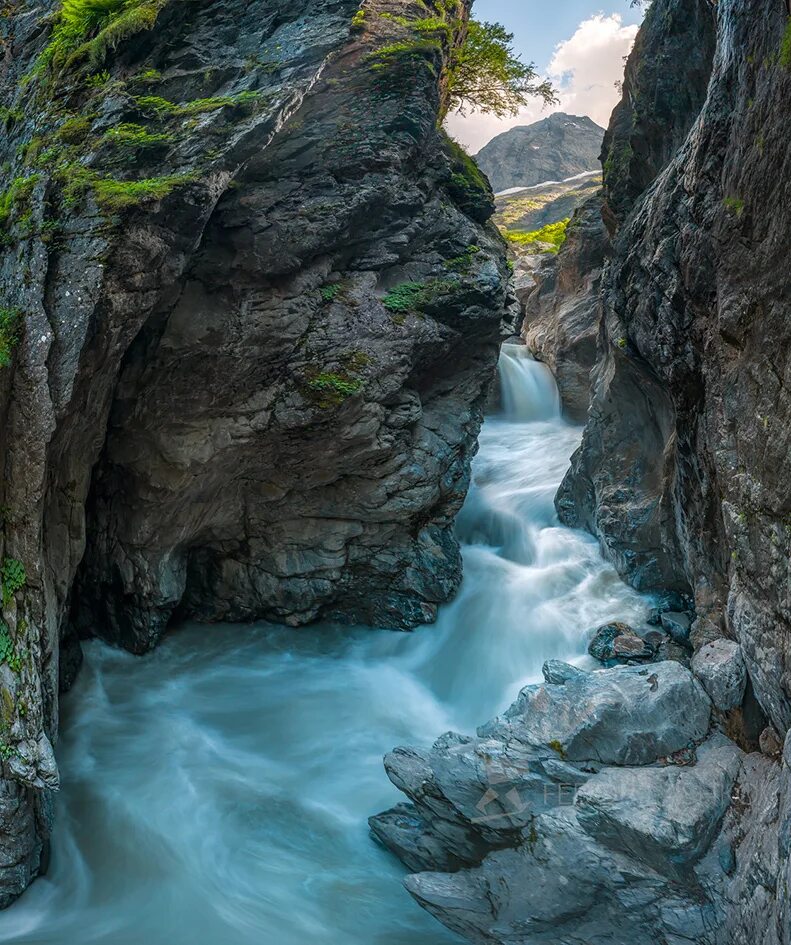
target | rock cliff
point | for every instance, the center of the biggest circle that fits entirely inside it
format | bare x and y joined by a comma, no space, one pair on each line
249,315
544,827
553,149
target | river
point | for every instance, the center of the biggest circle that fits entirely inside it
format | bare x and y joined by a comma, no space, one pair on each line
215,792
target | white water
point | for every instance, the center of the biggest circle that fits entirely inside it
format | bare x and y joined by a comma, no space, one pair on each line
216,791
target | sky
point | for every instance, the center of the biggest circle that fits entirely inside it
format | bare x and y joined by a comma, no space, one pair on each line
579,44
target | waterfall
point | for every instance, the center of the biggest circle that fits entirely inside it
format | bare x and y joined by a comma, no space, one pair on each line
215,792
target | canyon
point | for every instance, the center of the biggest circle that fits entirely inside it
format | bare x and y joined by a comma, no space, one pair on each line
252,309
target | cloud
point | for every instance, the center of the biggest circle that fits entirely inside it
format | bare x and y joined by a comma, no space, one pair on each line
586,67
583,69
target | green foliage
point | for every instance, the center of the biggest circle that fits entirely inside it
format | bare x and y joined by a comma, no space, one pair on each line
358,20
115,195
160,107
785,47
413,296
485,75
330,292
9,117
13,578
86,30
331,388
10,321
468,184
548,239
734,205
463,262
131,137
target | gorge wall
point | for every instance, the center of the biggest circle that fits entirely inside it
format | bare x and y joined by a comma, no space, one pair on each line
250,311
595,829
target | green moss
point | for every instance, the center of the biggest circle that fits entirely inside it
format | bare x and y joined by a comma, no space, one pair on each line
9,117
467,185
13,578
10,322
14,202
785,47
131,137
734,205
74,130
115,195
162,108
548,239
463,262
358,20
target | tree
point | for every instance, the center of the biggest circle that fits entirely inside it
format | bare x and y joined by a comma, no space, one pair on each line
485,74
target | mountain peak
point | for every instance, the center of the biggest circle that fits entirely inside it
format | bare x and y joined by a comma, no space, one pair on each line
554,148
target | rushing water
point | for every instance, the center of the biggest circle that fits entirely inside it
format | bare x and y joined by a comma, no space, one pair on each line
215,792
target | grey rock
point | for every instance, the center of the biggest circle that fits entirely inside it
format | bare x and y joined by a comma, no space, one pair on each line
666,817
627,715
719,666
403,831
557,672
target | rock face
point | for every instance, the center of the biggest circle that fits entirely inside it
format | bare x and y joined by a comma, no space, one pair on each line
582,814
561,313
553,149
244,379
683,465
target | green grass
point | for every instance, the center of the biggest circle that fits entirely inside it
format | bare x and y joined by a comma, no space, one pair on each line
10,321
132,137
160,107
85,31
548,239
115,195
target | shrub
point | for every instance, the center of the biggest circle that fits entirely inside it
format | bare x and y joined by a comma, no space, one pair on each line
13,578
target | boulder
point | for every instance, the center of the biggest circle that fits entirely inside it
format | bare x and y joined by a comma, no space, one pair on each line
626,715
665,816
719,666
601,645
